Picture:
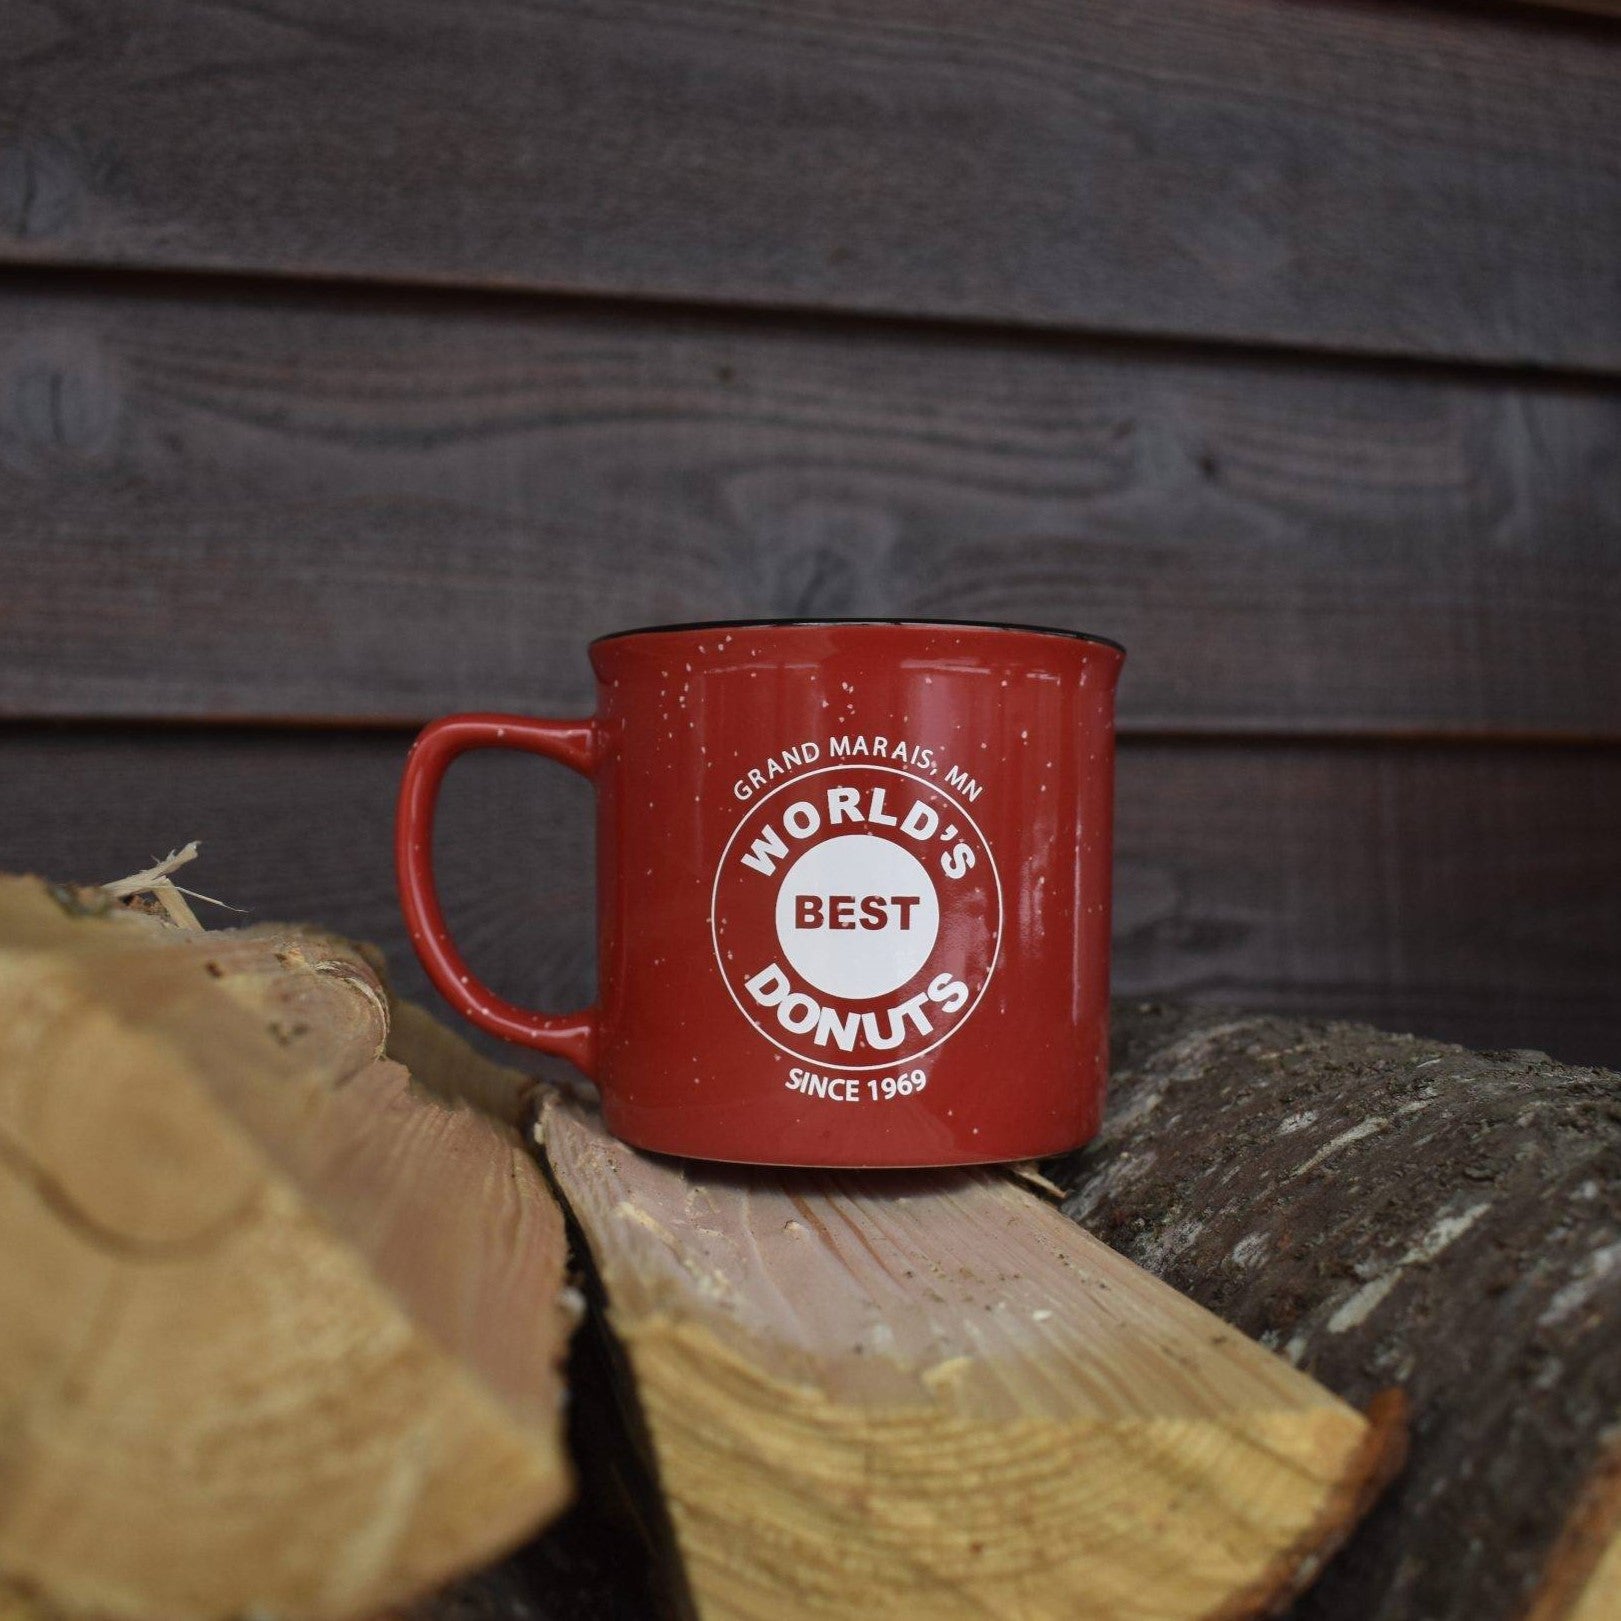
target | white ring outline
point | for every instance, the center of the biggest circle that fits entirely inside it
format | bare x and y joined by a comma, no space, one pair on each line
996,878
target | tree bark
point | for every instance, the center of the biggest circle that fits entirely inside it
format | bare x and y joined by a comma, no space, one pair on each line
1387,1210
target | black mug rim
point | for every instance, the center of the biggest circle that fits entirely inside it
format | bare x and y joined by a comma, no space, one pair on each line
922,624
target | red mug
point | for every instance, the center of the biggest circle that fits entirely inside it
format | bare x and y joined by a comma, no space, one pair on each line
852,888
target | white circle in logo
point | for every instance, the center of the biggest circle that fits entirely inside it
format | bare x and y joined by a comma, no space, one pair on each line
857,916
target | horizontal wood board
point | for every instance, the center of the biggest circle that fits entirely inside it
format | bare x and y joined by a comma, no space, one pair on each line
1598,8
336,506
1406,179
1465,892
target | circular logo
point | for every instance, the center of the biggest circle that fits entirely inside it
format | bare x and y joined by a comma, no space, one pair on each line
856,915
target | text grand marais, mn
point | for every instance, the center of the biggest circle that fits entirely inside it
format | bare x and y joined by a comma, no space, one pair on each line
856,907
851,746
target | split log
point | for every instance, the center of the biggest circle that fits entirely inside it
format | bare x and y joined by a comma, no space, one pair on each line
1385,1209
279,1332
928,1394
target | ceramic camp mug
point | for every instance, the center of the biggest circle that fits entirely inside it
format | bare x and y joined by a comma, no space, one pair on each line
852,888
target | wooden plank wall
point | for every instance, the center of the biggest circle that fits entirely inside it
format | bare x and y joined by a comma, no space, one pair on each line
357,363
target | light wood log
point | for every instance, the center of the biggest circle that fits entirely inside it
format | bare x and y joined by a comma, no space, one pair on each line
279,1331
1384,1209
1581,1580
927,1394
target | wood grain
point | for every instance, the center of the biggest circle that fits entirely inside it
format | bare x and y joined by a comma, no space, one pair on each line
1411,180
331,506
930,1395
279,1333
1473,893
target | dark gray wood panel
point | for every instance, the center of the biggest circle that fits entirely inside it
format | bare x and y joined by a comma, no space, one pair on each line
1417,180
1465,892
327,506
1597,8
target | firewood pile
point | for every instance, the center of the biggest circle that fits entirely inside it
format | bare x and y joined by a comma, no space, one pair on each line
308,1310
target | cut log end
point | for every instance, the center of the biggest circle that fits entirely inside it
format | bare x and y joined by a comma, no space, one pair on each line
1378,1461
1582,1581
279,1333
898,1394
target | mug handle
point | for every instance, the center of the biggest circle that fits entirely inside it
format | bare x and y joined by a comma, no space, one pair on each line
573,743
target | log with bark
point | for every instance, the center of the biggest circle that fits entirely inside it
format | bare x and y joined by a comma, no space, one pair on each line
1384,1209
279,1331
